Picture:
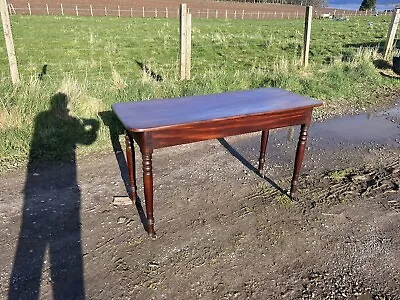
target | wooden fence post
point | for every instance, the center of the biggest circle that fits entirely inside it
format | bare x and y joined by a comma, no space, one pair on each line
12,59
29,8
183,40
242,14
47,9
105,11
307,35
216,13
77,12
226,14
392,32
143,12
13,9
166,12
131,12
119,12
91,10
62,9
188,45
207,13
155,13
234,15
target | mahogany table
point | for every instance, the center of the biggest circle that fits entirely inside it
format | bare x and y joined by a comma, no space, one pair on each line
162,123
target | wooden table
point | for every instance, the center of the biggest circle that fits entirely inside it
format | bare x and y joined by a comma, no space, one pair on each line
162,123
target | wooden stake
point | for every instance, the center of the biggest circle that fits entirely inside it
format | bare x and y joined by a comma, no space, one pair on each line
143,12
62,9
12,59
29,8
47,9
76,8
183,40
91,10
13,9
307,35
119,12
188,45
166,12
105,11
392,32
131,12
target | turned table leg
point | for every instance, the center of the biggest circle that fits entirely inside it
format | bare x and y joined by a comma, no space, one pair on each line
264,141
301,146
130,159
148,189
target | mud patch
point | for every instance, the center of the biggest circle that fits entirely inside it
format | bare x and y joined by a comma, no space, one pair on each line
348,185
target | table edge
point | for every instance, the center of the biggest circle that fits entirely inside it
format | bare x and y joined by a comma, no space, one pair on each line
172,126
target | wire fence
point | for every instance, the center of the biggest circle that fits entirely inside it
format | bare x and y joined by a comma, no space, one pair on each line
173,12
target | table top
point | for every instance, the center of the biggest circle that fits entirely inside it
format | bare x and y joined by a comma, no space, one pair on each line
140,116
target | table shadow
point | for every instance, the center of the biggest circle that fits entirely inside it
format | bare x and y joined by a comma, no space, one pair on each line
116,129
248,165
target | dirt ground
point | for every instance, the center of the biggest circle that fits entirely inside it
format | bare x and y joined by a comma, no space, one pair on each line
223,232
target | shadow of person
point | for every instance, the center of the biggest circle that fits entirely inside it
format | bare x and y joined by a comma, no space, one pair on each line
51,208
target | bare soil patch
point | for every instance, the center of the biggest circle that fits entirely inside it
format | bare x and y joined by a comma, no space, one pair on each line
223,231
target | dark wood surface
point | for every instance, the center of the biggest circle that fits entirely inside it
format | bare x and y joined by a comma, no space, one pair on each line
156,124
153,115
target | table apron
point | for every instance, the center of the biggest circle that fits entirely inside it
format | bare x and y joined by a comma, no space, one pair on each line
188,133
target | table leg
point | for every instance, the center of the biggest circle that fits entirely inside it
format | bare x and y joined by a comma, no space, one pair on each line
264,141
148,189
301,146
130,159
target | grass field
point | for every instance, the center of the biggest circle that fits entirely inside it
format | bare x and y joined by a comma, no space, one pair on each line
96,62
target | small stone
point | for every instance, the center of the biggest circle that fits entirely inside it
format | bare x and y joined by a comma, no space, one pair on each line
121,220
121,201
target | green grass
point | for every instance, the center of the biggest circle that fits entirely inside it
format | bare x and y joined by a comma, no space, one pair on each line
339,175
93,61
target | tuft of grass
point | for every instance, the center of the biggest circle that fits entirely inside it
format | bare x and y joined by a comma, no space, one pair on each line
339,175
284,200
